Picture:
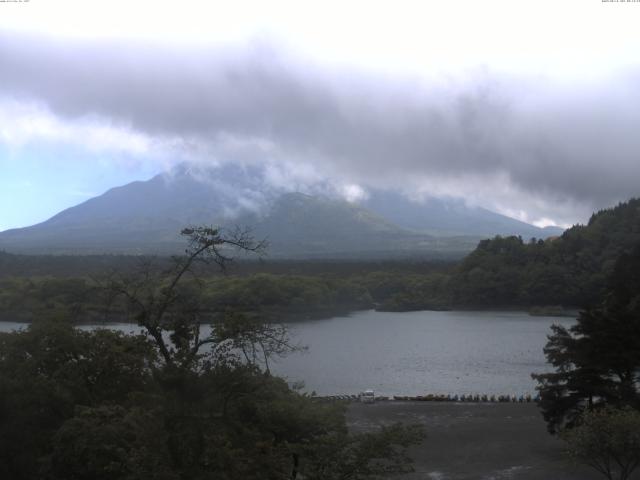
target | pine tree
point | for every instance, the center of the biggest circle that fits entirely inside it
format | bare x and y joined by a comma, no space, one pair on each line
597,360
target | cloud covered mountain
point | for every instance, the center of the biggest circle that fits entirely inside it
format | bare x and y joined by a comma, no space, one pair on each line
147,216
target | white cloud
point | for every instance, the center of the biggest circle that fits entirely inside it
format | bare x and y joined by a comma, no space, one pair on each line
564,38
529,109
23,123
353,193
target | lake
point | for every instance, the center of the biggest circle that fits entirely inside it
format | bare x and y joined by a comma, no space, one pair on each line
415,353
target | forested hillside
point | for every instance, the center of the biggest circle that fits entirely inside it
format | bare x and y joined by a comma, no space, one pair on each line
568,270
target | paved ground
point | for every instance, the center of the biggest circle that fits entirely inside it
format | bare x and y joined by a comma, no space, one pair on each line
484,441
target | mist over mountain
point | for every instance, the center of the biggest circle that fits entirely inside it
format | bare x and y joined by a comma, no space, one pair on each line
147,216
443,217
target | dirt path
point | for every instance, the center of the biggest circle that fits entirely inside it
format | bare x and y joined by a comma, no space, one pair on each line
476,441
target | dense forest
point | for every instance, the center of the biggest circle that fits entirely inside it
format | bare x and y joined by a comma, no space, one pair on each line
275,290
567,270
172,403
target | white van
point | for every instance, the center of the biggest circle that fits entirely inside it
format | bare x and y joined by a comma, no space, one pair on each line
367,396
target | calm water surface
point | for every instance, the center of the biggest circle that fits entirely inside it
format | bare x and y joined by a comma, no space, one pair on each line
414,353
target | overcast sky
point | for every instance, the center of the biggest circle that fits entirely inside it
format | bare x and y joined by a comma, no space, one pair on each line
527,108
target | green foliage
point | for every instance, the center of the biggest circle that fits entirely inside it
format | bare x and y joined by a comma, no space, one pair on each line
607,440
597,361
110,442
178,402
99,404
271,296
340,456
569,270
399,291
291,295
48,297
50,368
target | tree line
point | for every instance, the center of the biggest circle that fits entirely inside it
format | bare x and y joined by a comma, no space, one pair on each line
503,272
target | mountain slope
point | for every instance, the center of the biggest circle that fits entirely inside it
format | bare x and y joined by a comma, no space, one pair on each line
449,217
147,216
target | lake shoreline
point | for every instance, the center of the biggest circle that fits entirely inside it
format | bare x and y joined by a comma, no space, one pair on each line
285,316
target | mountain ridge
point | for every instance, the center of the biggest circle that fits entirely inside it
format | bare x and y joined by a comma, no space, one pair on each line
147,216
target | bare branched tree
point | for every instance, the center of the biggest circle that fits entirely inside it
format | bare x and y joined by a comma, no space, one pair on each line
168,306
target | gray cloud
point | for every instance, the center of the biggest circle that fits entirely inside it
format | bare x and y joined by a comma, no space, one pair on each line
520,144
